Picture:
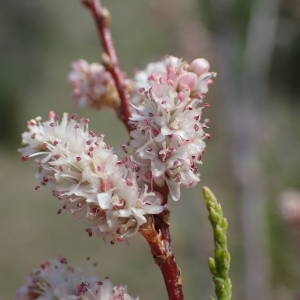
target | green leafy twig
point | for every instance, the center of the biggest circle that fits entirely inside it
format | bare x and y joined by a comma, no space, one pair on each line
220,264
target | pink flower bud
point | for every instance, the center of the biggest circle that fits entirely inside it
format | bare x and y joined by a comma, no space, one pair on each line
187,79
199,66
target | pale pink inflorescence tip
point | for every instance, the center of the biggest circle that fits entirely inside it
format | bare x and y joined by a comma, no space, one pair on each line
168,136
56,279
89,180
92,85
199,66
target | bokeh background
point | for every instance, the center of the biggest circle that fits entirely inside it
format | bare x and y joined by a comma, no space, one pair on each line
252,162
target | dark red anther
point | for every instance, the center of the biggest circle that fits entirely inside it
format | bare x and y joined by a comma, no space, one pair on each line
129,182
82,288
208,136
31,123
92,133
45,179
124,147
95,210
89,231
62,260
74,117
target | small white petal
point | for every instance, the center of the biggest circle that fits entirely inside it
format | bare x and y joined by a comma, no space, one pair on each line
104,200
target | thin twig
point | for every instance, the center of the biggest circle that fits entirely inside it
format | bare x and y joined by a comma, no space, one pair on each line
110,59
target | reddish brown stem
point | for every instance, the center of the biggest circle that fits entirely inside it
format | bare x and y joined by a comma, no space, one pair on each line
156,233
102,19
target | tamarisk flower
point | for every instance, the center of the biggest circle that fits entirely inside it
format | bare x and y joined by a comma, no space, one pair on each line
56,279
87,177
168,138
92,85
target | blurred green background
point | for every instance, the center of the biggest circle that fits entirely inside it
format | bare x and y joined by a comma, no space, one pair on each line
253,157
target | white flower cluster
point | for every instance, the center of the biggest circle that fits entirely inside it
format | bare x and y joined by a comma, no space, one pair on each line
92,85
168,136
87,177
167,140
56,279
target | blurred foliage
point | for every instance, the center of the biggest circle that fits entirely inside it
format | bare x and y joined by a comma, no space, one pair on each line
39,40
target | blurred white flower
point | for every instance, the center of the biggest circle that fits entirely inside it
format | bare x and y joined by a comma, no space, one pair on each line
92,85
87,177
289,204
56,279
168,136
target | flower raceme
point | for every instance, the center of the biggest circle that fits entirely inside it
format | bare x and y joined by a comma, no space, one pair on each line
167,99
56,279
89,180
168,136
